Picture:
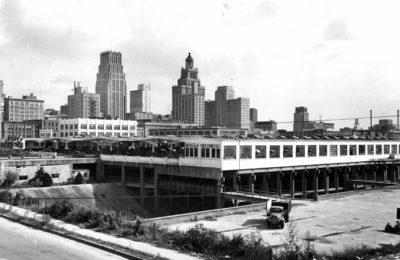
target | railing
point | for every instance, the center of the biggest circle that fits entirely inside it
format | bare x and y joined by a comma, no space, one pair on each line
187,187
260,194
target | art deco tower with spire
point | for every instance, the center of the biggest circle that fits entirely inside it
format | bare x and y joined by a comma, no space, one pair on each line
111,85
188,96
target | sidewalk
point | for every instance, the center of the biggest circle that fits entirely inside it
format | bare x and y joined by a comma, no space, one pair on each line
138,246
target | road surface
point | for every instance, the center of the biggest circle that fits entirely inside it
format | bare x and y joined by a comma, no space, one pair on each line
19,242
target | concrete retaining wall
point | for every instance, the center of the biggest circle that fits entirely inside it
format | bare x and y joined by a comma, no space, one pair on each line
341,195
203,214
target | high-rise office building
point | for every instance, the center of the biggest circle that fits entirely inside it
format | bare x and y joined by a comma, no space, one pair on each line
222,95
111,85
83,104
188,96
253,115
23,109
209,113
140,100
239,113
300,118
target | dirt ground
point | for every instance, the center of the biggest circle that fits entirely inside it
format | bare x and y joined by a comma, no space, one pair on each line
351,221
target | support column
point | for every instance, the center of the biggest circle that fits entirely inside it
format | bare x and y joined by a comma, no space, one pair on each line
385,170
156,198
187,202
251,183
267,176
326,180
218,199
263,182
142,187
336,178
315,183
393,173
345,177
234,182
374,169
123,173
304,183
292,184
279,184
99,170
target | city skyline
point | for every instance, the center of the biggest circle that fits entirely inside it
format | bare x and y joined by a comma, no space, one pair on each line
327,56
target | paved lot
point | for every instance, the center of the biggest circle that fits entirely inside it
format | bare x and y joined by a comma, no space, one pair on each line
350,221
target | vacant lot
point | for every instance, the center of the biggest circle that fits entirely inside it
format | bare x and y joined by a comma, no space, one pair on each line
351,221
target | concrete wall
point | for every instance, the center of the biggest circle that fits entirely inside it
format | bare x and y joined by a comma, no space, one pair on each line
203,214
64,171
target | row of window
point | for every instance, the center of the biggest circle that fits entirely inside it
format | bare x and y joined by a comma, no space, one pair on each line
206,152
289,151
93,127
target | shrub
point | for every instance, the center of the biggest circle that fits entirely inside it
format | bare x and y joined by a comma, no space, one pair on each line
60,209
41,178
78,179
9,178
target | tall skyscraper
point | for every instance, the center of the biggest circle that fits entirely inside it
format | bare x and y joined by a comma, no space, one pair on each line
140,100
83,104
300,118
209,113
111,85
188,96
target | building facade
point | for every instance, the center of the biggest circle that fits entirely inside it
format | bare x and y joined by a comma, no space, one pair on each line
210,118
266,126
64,109
300,117
96,127
140,100
253,115
23,109
83,104
239,113
188,96
199,131
222,95
111,85
26,129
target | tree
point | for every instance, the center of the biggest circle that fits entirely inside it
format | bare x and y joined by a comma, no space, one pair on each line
9,178
13,141
78,179
42,177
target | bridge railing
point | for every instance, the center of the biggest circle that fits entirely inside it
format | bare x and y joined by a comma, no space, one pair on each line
256,193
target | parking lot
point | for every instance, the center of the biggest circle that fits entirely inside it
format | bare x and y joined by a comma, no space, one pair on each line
351,221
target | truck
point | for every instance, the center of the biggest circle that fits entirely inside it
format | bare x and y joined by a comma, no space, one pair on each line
278,213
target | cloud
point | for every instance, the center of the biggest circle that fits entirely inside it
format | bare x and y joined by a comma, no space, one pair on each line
337,30
264,9
61,78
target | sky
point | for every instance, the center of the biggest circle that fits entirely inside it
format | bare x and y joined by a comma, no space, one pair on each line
340,59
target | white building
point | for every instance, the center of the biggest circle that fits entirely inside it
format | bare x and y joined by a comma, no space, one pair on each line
91,127
140,100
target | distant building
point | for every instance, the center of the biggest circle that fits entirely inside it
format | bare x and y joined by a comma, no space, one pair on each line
210,118
266,126
23,109
167,124
199,131
111,85
64,109
383,122
302,123
96,127
83,104
253,115
26,129
188,96
226,110
139,116
2,96
140,100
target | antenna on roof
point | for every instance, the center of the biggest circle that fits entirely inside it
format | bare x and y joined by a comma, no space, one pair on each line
110,38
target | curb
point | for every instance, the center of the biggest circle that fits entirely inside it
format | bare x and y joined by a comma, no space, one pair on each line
78,239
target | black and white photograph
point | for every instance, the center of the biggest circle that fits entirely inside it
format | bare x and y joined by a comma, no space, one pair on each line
199,130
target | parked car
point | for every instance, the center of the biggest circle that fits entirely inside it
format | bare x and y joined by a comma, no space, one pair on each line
278,213
78,154
47,150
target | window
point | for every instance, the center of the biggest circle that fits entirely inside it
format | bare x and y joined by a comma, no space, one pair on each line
274,151
370,149
76,126
287,151
117,127
92,126
323,150
386,149
300,150
245,152
353,150
312,151
66,127
333,150
124,127
62,127
61,134
108,127
361,149
229,152
261,151
343,150
378,149
83,126
132,127
71,126
394,148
